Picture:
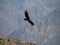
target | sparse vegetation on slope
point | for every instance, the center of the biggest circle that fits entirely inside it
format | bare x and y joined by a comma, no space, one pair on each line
6,41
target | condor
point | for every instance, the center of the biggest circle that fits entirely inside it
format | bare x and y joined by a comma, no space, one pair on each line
27,18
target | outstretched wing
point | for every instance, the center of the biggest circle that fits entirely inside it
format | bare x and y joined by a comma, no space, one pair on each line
31,22
26,14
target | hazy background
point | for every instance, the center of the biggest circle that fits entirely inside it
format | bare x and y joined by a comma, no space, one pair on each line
44,13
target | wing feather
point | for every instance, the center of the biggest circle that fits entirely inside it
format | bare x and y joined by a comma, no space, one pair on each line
30,22
26,15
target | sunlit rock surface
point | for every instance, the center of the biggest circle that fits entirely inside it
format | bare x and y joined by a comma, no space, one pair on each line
44,13
7,41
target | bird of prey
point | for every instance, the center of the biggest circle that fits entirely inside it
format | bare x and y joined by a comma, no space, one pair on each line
27,18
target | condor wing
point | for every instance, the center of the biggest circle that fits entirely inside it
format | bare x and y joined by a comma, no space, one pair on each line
26,14
31,22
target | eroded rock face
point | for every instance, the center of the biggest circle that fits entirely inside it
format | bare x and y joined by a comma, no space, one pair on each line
6,41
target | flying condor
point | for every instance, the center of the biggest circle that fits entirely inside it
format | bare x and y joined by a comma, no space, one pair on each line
27,18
